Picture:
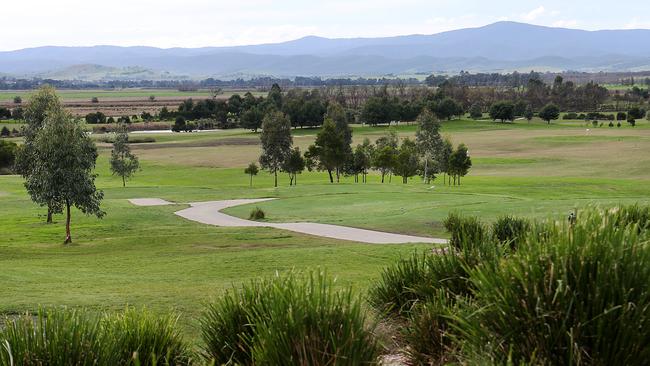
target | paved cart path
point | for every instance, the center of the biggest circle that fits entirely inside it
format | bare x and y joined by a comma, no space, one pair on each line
210,213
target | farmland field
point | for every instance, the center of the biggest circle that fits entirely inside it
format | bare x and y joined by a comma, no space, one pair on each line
147,256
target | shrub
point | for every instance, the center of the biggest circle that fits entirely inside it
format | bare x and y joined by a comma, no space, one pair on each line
94,100
430,330
8,152
611,124
621,116
573,295
146,339
5,132
74,337
631,121
570,115
618,124
52,337
464,230
594,123
257,214
510,230
288,320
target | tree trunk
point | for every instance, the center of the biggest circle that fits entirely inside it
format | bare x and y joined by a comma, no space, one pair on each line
123,181
49,214
390,177
251,182
329,171
382,176
68,237
426,161
295,179
337,175
275,173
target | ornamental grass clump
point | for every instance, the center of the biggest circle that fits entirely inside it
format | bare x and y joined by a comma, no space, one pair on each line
300,320
574,294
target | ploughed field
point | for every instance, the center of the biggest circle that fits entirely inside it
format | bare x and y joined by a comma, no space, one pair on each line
147,256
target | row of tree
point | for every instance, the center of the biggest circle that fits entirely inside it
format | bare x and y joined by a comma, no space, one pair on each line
332,151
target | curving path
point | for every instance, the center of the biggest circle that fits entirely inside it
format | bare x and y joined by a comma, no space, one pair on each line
210,213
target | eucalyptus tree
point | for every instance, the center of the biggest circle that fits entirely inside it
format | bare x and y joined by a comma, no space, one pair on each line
276,142
251,170
428,138
123,162
41,104
63,177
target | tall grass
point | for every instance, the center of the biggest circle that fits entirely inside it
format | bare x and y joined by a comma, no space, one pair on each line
464,230
288,320
510,230
77,337
575,294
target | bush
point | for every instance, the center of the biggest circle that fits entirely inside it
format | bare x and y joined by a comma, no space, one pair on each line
510,230
94,100
621,116
7,154
464,230
575,294
430,331
146,338
611,124
257,214
594,123
5,132
288,320
73,337
570,115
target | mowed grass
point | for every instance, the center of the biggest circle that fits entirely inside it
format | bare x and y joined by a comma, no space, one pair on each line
147,256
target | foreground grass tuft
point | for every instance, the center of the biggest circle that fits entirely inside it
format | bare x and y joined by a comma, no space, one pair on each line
288,320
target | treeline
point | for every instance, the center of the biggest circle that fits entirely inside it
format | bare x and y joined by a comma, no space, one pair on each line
332,151
464,78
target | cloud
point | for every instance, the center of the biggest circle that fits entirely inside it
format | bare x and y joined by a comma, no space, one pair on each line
533,14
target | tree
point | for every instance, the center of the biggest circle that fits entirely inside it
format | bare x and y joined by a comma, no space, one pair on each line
636,113
549,112
528,114
443,157
123,162
276,142
275,96
378,110
294,165
64,178
331,150
504,111
362,160
251,119
152,98
18,99
5,132
406,160
385,151
459,163
180,124
427,137
447,109
251,170
7,154
475,111
94,100
41,104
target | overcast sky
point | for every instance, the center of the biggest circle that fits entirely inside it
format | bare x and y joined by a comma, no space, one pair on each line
195,23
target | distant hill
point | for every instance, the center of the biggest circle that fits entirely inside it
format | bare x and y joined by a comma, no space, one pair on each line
499,47
91,72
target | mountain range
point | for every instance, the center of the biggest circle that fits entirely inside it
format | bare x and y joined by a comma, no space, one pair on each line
498,47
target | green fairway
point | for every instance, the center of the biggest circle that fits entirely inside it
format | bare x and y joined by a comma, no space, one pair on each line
147,256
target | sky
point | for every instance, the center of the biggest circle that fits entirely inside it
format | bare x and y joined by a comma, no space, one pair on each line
197,23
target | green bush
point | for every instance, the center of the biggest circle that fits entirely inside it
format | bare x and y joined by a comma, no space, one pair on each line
141,338
429,331
464,230
74,337
257,214
510,230
52,337
575,294
288,320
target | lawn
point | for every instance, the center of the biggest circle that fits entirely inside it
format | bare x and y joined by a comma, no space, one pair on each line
147,256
